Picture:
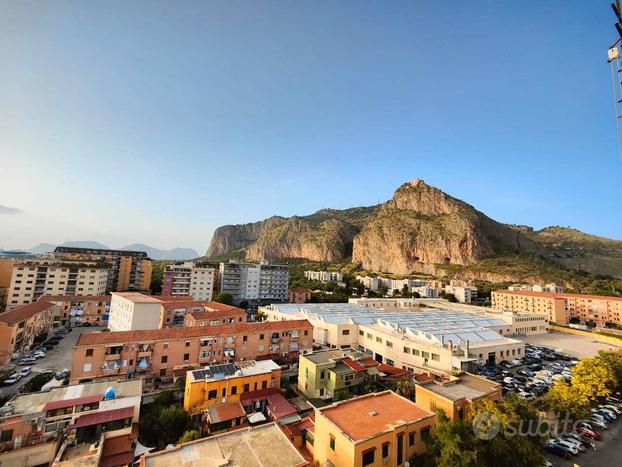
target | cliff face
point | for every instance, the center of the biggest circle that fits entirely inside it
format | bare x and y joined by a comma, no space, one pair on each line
233,237
421,224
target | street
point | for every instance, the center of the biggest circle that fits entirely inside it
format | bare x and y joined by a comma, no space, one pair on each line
56,359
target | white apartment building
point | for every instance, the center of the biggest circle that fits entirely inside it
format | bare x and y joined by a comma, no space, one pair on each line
551,288
413,285
254,283
33,278
324,276
463,294
132,311
189,280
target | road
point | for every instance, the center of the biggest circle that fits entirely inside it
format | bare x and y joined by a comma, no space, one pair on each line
56,359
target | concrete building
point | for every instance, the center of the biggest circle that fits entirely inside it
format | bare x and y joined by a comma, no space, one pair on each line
254,283
375,429
562,307
551,287
173,351
225,383
213,314
463,294
422,341
456,394
20,327
31,279
298,295
260,446
132,311
324,276
78,310
189,280
127,270
86,424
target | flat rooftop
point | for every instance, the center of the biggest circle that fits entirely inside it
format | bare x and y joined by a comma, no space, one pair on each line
326,356
137,297
367,416
439,326
467,387
232,370
264,445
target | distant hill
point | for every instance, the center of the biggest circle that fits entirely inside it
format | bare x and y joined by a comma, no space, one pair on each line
153,253
156,253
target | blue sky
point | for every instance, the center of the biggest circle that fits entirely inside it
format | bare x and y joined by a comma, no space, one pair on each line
155,122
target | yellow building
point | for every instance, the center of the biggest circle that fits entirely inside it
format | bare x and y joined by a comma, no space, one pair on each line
218,384
371,430
455,396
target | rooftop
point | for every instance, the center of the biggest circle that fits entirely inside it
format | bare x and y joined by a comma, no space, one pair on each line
369,415
21,313
464,387
575,296
232,370
121,337
226,411
204,304
321,357
137,297
264,445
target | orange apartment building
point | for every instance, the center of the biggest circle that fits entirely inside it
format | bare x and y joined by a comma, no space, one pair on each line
199,313
170,352
561,307
78,310
20,326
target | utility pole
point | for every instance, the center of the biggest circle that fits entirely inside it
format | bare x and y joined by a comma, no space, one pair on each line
613,57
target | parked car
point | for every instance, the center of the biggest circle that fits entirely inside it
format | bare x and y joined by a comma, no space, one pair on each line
62,374
51,342
12,379
39,354
41,349
558,450
25,372
568,445
598,423
588,432
27,361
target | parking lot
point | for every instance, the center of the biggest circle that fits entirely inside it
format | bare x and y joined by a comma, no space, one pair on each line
57,358
571,344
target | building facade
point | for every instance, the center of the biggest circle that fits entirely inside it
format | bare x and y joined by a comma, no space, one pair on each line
173,351
127,270
132,311
32,279
189,279
298,295
80,310
324,276
214,314
254,283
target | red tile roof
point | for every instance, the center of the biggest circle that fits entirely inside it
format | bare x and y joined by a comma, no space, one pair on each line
98,418
61,404
528,293
76,298
391,370
22,313
227,411
279,407
367,362
212,306
123,458
258,395
356,366
95,338
199,315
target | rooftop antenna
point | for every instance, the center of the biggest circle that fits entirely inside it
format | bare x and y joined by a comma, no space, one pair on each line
613,58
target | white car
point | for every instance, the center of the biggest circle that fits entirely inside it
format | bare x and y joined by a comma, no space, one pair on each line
14,378
39,354
571,440
25,371
611,407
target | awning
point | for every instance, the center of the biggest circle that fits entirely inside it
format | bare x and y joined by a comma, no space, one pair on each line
255,417
98,418
139,450
63,403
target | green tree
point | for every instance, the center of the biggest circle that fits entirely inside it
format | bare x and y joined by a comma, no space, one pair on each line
613,358
562,399
189,435
593,378
224,297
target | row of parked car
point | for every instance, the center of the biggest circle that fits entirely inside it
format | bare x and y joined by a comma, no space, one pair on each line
586,433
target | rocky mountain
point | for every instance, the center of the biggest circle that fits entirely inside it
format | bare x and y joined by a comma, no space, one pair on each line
156,253
420,229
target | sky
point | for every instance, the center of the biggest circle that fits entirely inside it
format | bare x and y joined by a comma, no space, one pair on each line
156,122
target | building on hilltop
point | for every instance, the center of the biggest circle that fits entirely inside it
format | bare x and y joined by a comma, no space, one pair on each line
324,276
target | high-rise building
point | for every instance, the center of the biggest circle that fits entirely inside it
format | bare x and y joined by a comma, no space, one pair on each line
128,270
254,283
189,279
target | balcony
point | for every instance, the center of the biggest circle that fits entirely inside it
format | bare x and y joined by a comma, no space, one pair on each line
111,357
144,354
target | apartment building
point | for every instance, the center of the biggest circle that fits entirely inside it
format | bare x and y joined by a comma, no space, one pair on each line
127,270
455,395
189,280
254,283
375,429
561,308
173,351
324,276
329,373
80,310
422,341
20,327
298,295
89,424
226,382
213,314
551,287
463,294
31,279
132,311
259,446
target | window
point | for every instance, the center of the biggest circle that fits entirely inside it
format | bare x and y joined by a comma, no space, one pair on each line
187,343
246,388
306,332
368,457
212,394
260,337
379,339
164,359
406,350
224,392
244,338
385,450
186,356
322,374
331,442
435,357
89,352
361,333
234,390
411,438
345,332
162,371
7,435
389,344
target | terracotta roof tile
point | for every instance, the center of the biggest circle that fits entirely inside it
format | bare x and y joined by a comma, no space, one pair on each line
76,298
24,312
356,366
227,411
60,404
94,338
106,416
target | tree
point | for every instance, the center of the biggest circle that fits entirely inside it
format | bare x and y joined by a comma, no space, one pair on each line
396,292
613,358
164,421
406,388
452,443
36,382
562,399
224,297
593,378
449,297
590,324
189,435
405,289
